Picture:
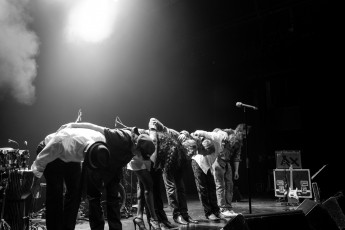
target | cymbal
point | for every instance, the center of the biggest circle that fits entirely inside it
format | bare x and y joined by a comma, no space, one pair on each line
6,149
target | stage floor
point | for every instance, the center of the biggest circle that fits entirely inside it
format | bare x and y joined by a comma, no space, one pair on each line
258,206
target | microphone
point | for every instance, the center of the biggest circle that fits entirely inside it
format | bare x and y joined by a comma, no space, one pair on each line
240,104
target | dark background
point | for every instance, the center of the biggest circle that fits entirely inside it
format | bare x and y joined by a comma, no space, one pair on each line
187,63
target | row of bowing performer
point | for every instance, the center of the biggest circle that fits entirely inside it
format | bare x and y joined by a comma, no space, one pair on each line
83,160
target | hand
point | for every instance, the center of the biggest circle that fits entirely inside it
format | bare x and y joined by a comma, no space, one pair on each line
156,124
197,133
185,132
236,175
182,138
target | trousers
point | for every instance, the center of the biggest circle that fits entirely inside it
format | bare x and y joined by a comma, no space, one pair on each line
222,173
175,191
63,194
156,175
206,189
112,203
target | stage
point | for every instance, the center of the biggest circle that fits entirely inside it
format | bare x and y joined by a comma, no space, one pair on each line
261,205
263,212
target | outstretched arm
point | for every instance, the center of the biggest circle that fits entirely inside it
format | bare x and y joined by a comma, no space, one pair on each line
156,125
215,137
50,152
85,125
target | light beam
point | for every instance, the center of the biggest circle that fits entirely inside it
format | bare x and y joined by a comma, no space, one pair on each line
91,21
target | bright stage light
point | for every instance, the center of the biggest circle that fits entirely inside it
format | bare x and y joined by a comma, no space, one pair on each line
91,20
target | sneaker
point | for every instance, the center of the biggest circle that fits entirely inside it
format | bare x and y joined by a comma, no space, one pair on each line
229,213
220,215
212,217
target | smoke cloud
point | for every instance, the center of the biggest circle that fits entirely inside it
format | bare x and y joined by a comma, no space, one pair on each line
18,48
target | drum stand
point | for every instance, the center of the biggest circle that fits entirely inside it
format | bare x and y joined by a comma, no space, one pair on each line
36,225
3,224
127,210
34,222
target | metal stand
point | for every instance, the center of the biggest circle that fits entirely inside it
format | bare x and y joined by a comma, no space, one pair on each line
35,218
247,160
3,224
127,210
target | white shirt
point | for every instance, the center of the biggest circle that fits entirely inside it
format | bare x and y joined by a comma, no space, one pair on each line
68,145
216,138
203,162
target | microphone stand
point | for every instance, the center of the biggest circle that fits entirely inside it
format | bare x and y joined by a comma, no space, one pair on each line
12,141
247,161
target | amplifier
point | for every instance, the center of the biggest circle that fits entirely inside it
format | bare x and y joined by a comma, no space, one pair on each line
300,181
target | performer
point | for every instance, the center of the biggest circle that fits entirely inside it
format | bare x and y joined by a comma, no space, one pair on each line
228,148
156,175
170,159
231,156
123,144
141,165
59,160
198,150
218,139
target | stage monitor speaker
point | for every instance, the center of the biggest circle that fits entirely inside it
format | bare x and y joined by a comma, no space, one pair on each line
286,220
335,211
317,216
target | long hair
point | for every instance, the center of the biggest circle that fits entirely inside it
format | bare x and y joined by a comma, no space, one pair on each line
236,139
170,153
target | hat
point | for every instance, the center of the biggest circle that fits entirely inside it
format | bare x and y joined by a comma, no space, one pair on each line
145,145
208,146
97,155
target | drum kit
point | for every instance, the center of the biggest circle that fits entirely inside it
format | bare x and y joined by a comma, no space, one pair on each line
15,184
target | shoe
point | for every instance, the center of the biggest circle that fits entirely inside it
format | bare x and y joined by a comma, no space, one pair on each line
168,224
138,221
190,219
229,213
163,226
179,220
212,217
154,224
220,215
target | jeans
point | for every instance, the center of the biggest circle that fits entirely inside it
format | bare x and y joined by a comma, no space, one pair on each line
113,203
222,173
62,210
175,190
206,189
